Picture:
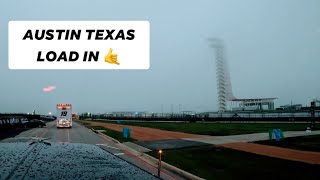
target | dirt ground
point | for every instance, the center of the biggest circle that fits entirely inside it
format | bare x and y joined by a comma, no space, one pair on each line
147,134
277,152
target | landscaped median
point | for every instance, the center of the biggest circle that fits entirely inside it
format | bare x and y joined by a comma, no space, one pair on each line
215,162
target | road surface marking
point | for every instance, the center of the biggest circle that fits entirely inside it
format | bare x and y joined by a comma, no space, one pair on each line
118,154
107,146
68,136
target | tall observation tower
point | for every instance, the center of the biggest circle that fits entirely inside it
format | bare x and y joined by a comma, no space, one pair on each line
223,76
224,87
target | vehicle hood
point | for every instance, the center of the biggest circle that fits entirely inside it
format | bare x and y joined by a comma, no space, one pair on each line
38,160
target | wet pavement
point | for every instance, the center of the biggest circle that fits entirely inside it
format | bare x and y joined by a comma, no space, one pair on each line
63,161
67,138
76,134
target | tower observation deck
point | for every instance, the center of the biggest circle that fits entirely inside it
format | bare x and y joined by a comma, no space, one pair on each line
224,86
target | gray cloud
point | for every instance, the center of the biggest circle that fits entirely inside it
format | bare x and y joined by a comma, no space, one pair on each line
272,49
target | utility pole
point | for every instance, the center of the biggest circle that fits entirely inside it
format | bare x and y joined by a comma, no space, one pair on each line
161,110
171,108
313,106
312,114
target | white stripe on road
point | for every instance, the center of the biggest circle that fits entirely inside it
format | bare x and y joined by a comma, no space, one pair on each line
68,135
107,146
118,154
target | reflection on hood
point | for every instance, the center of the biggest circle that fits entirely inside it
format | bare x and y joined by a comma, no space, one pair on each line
47,160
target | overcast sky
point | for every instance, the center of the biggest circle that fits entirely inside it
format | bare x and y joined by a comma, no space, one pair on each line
272,48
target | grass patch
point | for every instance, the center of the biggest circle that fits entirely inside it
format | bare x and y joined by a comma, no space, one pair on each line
305,143
212,162
219,129
114,134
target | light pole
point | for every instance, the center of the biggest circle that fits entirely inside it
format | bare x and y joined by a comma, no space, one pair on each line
162,110
159,163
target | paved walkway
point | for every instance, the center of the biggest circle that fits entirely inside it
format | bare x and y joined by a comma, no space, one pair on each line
240,142
247,137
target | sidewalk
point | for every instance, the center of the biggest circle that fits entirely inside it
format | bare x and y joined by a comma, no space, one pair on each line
242,143
248,137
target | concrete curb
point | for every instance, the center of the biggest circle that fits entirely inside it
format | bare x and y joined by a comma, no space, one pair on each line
152,160
97,132
108,137
165,165
94,130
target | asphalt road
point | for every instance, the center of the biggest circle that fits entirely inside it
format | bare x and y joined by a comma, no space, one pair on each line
81,134
76,134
